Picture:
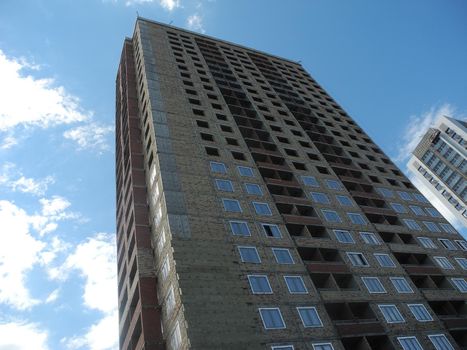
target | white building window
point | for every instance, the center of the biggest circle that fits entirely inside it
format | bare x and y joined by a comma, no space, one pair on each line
217,167
239,228
344,236
431,226
391,313
272,318
426,242
249,255
409,343
405,196
417,210
323,346
412,224
420,312
310,181
259,284
460,284
245,171
254,189
356,218
309,317
374,285
433,212
331,216
319,197
401,285
447,228
232,205
357,259
224,185
262,208
370,238
384,260
282,347
462,262
444,263
462,244
440,342
398,208
271,230
283,256
447,244
295,285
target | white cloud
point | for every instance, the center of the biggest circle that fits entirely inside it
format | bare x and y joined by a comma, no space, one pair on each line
13,179
417,127
8,141
28,101
52,296
19,252
95,259
168,5
22,336
90,136
195,22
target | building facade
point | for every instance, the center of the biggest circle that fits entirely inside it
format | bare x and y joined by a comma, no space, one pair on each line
440,162
254,213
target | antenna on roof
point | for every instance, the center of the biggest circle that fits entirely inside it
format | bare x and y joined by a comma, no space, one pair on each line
137,14
171,22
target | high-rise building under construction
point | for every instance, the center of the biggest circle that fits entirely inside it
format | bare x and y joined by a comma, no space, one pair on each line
254,213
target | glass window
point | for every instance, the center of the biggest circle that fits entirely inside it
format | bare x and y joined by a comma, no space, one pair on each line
271,230
356,219
333,184
398,208
401,285
420,312
357,259
391,313
412,224
440,342
460,283
409,343
282,347
272,318
217,167
224,185
282,256
373,285
405,196
249,255
331,216
232,205
259,284
447,228
253,189
447,244
344,201
310,181
344,236
262,208
417,210
426,242
443,262
431,226
295,285
385,192
323,346
462,262
433,212
309,317
245,171
384,260
420,198
239,228
370,238
319,197
462,244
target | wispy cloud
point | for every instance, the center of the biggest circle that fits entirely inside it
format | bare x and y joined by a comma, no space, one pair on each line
95,260
168,5
90,136
417,127
14,180
195,22
22,336
28,101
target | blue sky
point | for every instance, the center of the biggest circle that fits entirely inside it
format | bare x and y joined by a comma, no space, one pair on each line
394,66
